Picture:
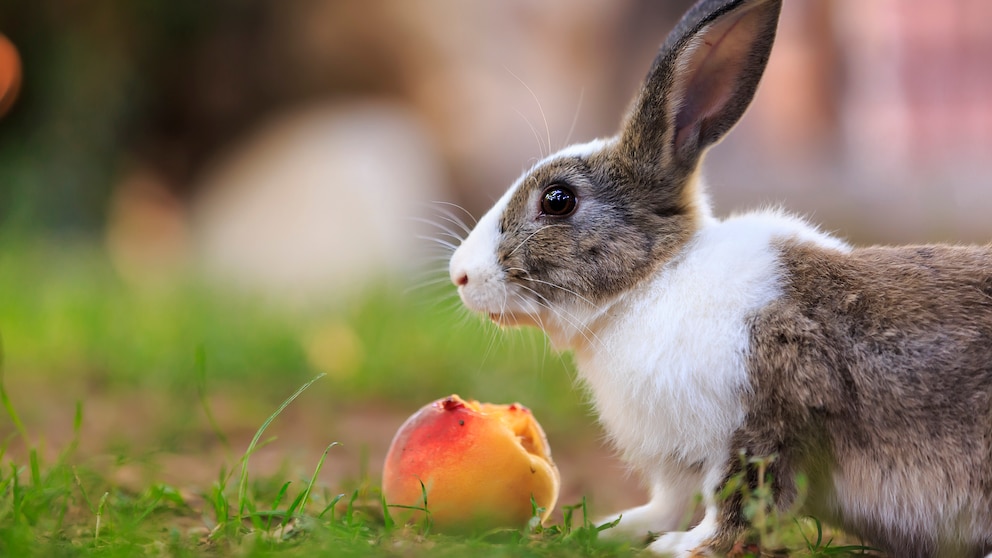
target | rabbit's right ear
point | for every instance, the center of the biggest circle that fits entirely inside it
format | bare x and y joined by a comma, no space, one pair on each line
700,83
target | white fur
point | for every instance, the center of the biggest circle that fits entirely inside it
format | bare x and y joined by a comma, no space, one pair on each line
579,150
486,289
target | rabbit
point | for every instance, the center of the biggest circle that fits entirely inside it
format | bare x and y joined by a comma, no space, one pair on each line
707,343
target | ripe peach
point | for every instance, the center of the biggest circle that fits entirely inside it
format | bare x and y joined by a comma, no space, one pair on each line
480,465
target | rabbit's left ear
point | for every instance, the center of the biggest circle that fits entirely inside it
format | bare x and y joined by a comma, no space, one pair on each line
700,83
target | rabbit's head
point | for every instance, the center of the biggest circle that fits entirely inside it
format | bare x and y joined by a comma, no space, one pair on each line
591,221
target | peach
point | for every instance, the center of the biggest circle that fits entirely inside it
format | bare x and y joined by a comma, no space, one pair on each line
480,465
10,74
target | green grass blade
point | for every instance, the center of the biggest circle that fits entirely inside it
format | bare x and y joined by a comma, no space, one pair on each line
609,525
82,490
566,519
16,493
35,468
330,507
149,508
99,516
222,510
243,484
388,523
349,512
7,405
276,502
281,495
428,520
77,434
253,516
200,369
301,502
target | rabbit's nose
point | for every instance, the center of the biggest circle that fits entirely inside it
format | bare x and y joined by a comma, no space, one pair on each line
457,269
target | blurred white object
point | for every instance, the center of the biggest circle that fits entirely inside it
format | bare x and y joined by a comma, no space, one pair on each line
321,200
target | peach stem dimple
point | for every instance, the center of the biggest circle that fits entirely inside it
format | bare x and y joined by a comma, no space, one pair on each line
450,404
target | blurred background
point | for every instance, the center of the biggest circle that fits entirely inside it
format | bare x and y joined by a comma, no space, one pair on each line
242,178
270,139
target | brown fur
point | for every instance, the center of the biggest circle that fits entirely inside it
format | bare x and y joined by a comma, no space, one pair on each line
607,248
877,366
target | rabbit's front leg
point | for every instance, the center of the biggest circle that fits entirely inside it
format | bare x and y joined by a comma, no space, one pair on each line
715,534
673,499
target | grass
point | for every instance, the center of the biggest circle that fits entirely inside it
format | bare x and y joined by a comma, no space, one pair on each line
103,384
50,510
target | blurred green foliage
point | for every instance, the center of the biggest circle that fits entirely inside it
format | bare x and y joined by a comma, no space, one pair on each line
64,313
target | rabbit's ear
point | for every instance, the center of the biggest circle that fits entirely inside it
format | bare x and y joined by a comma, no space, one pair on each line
700,83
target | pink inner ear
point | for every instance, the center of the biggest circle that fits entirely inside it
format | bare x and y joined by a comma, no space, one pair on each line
711,72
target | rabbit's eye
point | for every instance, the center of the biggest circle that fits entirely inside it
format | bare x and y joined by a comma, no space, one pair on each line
558,201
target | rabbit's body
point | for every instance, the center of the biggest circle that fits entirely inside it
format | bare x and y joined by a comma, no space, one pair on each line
868,380
706,342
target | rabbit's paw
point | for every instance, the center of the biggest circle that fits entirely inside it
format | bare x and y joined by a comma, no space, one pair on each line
680,544
687,544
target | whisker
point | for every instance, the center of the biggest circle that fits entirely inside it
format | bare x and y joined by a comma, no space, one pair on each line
450,232
428,283
495,331
542,348
543,300
450,217
432,271
462,227
446,305
531,235
544,117
439,241
566,317
564,289
537,137
451,214
425,276
575,118
440,258
455,239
